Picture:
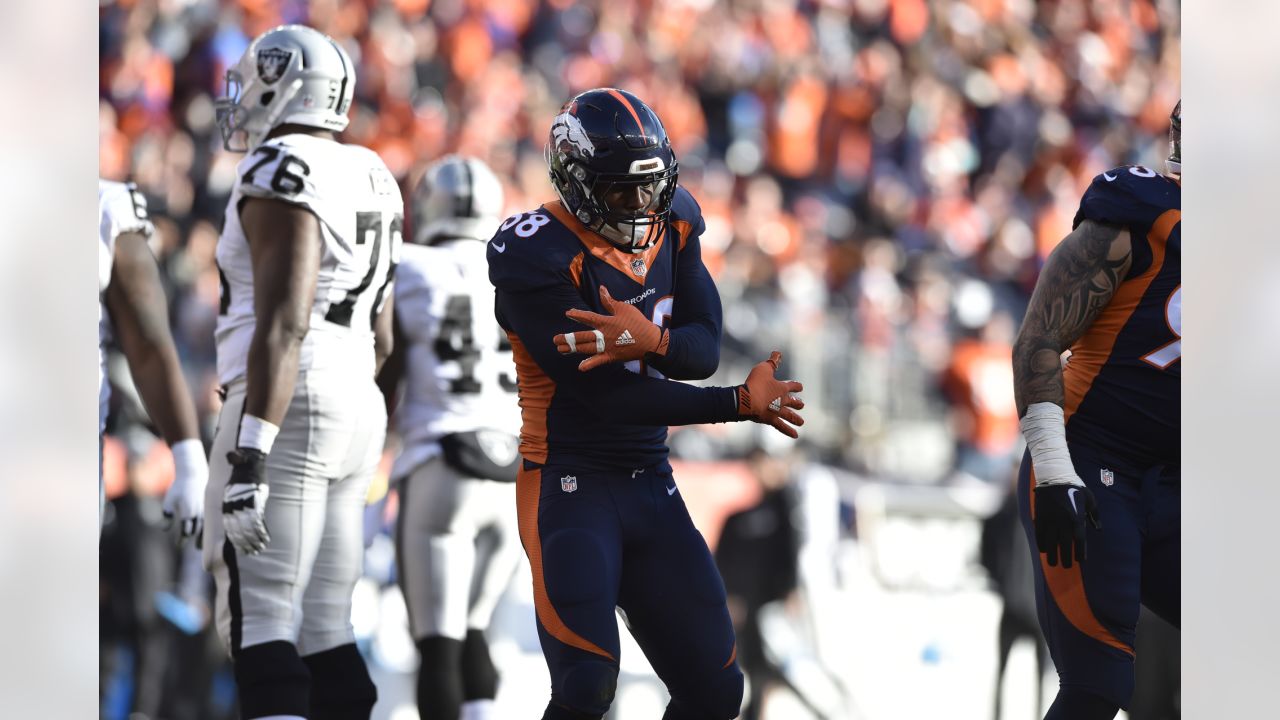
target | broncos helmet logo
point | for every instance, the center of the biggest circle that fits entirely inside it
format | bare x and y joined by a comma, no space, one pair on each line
567,130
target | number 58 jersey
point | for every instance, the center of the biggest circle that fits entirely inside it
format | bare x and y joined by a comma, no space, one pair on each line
360,212
459,373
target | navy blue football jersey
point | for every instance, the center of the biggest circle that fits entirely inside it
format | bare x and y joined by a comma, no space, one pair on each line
543,263
1123,381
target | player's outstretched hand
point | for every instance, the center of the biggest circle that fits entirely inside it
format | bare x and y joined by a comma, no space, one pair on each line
765,399
622,335
1061,512
184,500
244,503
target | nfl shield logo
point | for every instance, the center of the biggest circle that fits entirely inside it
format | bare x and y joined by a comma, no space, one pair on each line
1108,477
638,267
569,483
272,63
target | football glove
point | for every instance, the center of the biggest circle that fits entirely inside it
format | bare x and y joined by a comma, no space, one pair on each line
1061,512
770,401
184,500
244,502
622,335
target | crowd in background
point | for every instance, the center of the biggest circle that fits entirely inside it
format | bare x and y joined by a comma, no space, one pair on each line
881,179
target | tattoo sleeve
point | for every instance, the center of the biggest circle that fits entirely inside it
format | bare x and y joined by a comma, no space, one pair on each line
1077,282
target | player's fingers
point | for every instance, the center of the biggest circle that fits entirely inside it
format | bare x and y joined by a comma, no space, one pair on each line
606,299
581,341
784,428
792,401
593,362
586,317
775,359
794,386
1065,542
791,416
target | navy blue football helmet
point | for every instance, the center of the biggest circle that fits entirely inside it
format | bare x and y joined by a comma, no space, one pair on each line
612,166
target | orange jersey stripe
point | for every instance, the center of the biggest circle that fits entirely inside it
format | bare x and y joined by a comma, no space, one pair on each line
602,249
623,98
733,655
1067,588
684,228
575,270
535,391
528,490
1091,352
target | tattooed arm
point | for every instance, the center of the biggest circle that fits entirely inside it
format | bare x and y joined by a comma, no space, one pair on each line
1076,284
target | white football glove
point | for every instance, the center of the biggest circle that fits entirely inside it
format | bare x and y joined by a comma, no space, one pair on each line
184,500
244,503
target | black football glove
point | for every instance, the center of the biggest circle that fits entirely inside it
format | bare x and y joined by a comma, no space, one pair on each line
244,502
1061,511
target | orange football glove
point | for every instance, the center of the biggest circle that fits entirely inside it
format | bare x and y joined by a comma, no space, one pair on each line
621,336
765,399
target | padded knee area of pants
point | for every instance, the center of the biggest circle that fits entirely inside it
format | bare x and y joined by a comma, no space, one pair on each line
1075,703
440,677
587,687
341,688
574,567
272,680
479,676
718,698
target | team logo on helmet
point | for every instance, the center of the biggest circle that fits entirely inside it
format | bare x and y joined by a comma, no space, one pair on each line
567,130
272,63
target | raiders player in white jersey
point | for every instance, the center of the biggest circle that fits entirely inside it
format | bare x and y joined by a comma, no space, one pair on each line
307,254
457,538
133,309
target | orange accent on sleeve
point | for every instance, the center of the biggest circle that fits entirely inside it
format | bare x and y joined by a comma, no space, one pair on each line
1091,352
733,655
528,489
535,391
684,228
575,270
1067,588
627,103
602,249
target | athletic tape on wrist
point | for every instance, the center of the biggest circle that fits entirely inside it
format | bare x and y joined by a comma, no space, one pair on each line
189,460
256,433
1046,432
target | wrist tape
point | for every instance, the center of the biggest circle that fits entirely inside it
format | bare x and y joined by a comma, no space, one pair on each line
1046,433
256,433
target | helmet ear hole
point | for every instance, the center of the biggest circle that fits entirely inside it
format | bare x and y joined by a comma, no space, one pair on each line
268,96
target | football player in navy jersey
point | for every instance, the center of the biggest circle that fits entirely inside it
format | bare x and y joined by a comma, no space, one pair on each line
612,270
1099,487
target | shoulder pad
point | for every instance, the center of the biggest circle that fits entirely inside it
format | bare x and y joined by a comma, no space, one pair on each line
276,169
686,216
531,250
121,209
1127,195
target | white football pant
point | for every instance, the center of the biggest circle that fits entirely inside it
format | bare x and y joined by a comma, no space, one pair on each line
319,470
457,546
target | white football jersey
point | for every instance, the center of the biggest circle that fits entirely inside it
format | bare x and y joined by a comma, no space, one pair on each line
459,373
121,209
358,204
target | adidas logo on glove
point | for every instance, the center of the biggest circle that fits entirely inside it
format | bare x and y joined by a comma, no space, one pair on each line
625,338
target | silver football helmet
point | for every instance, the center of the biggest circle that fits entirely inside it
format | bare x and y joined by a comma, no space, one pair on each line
457,197
289,74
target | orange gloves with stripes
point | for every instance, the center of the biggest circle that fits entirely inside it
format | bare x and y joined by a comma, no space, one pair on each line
765,399
622,335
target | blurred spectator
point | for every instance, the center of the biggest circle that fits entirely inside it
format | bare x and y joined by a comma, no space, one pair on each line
979,384
758,556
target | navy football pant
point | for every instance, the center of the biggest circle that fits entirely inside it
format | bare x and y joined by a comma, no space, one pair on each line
600,539
1089,613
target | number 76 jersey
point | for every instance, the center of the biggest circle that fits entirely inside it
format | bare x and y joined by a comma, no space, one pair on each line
360,211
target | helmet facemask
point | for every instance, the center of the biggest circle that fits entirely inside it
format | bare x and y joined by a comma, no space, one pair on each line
627,209
1174,162
248,111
